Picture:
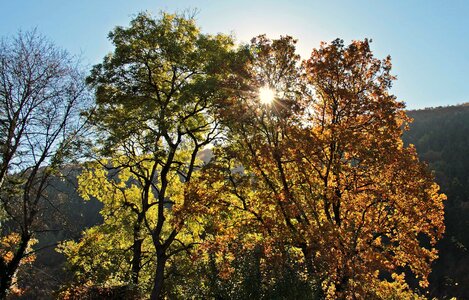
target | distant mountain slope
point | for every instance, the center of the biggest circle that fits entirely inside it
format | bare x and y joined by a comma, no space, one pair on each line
441,136
72,215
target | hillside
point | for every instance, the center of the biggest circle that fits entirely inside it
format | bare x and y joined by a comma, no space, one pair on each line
71,216
441,137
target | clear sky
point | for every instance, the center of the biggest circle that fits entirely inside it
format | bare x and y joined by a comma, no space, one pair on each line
427,39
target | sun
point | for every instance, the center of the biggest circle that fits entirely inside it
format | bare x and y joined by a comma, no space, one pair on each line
266,95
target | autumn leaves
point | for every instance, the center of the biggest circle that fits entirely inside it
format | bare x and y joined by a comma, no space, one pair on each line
318,179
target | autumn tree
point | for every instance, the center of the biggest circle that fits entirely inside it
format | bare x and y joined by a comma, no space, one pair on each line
379,200
324,170
247,182
41,92
156,96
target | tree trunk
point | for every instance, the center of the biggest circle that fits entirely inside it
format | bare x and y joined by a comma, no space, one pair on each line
137,251
136,260
308,254
8,270
159,277
5,282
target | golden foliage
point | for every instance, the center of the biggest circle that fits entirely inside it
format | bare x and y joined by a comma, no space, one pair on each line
324,170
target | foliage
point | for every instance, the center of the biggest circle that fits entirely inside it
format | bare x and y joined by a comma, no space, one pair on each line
156,96
8,248
324,169
382,201
106,253
315,190
251,278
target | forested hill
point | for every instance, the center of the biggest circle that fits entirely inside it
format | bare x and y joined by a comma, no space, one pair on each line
441,137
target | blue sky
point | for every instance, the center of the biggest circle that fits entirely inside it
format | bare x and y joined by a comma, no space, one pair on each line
427,39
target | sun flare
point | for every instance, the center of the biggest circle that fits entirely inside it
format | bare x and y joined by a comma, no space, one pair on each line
266,95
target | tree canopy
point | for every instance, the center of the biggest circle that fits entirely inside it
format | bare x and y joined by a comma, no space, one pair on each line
223,171
324,169
156,97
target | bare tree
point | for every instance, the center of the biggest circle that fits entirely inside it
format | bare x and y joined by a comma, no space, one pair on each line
41,93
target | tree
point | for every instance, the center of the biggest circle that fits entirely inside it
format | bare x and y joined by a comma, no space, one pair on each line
41,91
247,196
156,96
325,170
379,199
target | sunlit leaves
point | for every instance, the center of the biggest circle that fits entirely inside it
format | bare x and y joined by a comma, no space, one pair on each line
318,178
331,177
157,95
